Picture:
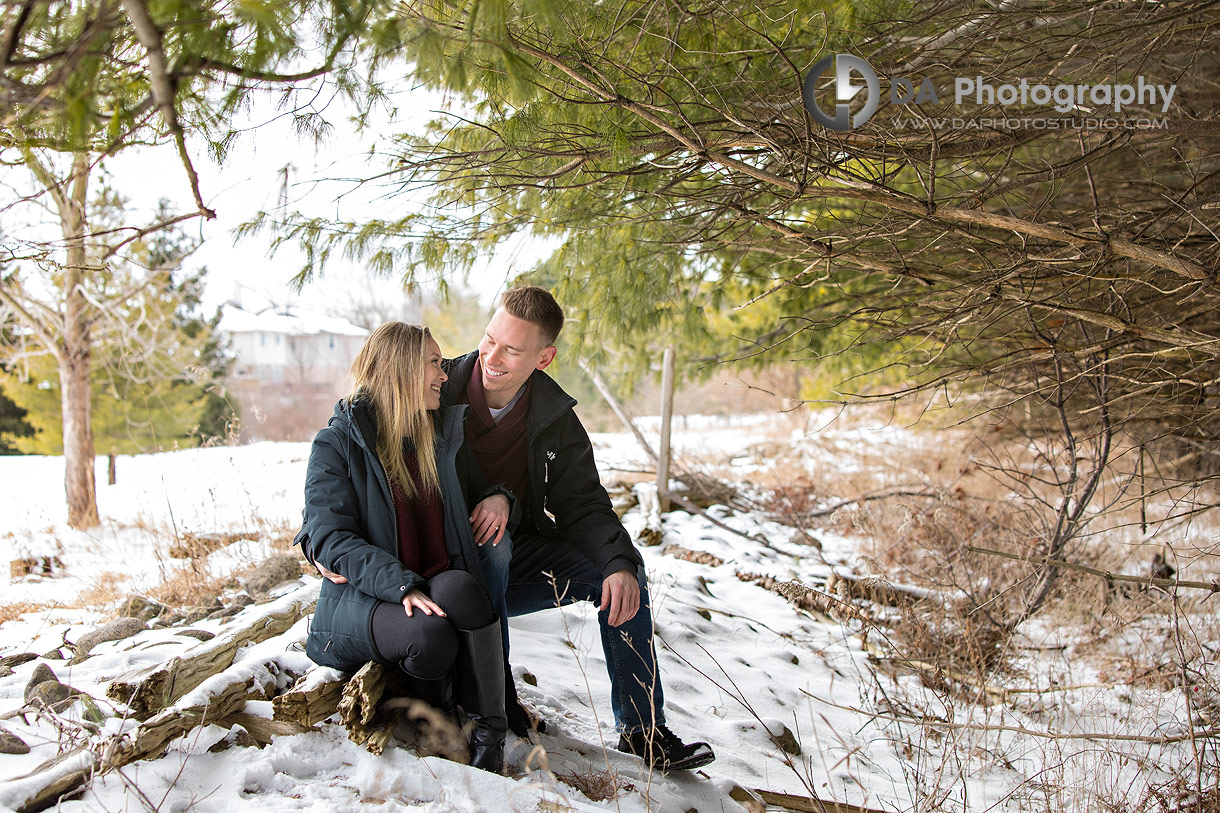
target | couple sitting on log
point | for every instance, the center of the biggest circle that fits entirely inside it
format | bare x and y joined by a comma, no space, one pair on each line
422,570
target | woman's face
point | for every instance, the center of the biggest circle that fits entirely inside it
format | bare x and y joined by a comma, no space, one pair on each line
434,376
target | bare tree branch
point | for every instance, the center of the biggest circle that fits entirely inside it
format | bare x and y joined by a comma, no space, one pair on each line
164,91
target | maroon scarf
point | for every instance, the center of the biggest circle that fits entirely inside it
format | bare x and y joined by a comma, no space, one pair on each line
501,450
421,526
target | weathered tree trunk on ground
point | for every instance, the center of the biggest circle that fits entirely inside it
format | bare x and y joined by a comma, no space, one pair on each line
759,799
70,772
373,703
262,729
63,775
151,737
221,702
149,690
358,708
310,701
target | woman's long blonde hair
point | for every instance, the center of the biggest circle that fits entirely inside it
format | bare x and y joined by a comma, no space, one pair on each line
389,372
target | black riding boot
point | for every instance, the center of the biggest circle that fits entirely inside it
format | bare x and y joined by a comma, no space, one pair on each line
436,692
480,692
429,723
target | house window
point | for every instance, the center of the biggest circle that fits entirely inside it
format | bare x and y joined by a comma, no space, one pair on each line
262,339
332,342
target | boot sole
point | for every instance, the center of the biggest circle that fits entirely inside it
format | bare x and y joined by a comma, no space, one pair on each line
688,764
696,761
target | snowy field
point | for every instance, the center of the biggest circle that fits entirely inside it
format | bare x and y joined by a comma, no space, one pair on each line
791,701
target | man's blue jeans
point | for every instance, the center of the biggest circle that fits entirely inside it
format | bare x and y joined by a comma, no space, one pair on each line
530,573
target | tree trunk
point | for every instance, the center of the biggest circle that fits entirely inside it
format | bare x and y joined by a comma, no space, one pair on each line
75,357
78,437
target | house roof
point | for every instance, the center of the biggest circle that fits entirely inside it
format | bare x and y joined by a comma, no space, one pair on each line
292,322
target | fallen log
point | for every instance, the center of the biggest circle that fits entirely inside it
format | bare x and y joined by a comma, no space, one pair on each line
759,799
697,556
826,608
44,786
874,589
314,698
358,709
147,691
370,705
214,701
218,701
264,729
361,694
622,499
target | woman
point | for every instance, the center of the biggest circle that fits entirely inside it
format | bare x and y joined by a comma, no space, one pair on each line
387,496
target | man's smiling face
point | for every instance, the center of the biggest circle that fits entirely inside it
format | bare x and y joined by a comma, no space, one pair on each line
509,353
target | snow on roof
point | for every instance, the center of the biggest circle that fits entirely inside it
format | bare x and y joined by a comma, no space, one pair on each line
293,322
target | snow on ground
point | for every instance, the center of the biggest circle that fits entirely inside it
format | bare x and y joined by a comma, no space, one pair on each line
156,498
739,665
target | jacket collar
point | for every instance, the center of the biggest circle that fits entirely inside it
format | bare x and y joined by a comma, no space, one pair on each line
548,401
358,415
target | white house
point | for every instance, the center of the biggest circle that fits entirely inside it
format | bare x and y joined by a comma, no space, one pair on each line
290,367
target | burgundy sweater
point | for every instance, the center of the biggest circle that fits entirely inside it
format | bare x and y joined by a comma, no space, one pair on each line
421,527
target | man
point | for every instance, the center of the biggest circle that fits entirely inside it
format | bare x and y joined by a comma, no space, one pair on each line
570,545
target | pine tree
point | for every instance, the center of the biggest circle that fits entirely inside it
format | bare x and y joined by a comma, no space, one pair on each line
13,424
1056,262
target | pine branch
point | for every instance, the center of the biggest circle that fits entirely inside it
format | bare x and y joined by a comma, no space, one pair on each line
13,35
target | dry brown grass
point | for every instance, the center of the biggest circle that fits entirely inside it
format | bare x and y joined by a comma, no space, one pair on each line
1176,796
596,785
190,587
191,546
8,612
919,501
186,581
991,488
106,589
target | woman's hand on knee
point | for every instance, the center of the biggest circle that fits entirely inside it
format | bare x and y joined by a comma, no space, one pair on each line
330,574
418,600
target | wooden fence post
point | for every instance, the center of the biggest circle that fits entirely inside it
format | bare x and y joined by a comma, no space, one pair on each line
667,411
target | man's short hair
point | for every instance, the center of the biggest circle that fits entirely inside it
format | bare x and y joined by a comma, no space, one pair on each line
536,305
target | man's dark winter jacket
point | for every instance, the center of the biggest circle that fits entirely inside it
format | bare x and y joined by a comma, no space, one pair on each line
350,527
566,500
